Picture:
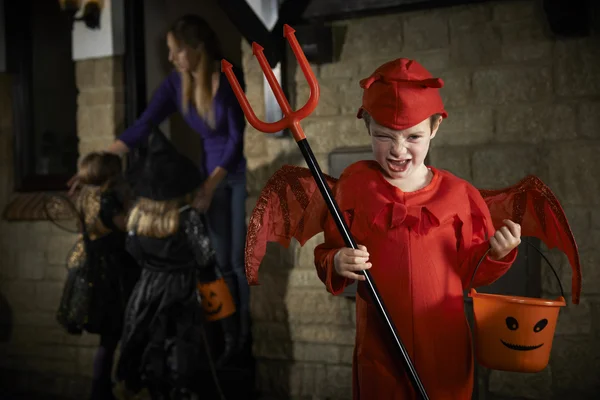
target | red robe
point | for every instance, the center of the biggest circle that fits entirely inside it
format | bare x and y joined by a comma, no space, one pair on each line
424,246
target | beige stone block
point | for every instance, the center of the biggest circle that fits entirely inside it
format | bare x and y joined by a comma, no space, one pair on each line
85,122
576,67
291,380
318,352
589,117
306,253
48,295
85,74
6,109
528,52
54,366
261,169
512,85
19,295
339,70
267,301
256,98
475,45
273,350
282,150
339,379
6,151
318,306
572,173
457,90
499,167
514,384
575,319
306,380
255,143
537,123
9,268
369,65
329,100
580,219
319,333
361,34
54,336
426,30
515,10
455,159
108,71
460,17
39,319
326,134
85,340
305,278
590,273
435,61
595,311
31,264
575,365
106,120
84,358
86,146
527,31
55,273
102,96
466,127
279,259
299,76
58,247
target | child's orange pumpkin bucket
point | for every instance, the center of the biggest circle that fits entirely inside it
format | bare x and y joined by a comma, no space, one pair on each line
514,333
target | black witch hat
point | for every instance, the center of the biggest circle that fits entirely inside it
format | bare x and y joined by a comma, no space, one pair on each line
164,173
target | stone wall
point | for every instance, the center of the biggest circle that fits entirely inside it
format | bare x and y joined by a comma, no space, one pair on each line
520,102
35,353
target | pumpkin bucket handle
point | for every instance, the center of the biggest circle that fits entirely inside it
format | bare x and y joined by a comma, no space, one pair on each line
536,249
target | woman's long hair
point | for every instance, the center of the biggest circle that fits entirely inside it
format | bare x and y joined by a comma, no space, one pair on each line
194,32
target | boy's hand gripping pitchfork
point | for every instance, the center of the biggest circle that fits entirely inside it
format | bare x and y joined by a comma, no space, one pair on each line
292,120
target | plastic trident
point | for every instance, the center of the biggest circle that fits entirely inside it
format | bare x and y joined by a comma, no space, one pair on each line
291,120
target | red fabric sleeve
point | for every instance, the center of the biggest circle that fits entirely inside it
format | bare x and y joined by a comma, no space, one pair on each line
476,232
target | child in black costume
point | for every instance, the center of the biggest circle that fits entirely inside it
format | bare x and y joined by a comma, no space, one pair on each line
102,203
162,346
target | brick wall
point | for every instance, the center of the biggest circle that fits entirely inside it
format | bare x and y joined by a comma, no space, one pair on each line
35,354
520,102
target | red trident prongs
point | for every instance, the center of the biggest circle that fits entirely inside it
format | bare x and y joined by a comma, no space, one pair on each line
291,119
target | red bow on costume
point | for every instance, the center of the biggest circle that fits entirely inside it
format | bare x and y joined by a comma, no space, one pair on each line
393,215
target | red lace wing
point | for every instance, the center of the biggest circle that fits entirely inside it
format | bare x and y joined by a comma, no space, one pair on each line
289,206
532,204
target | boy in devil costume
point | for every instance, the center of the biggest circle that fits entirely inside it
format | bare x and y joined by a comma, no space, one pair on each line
421,232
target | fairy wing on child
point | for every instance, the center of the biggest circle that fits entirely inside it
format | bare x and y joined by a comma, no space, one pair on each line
291,206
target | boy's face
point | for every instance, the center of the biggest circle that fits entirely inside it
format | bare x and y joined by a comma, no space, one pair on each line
401,153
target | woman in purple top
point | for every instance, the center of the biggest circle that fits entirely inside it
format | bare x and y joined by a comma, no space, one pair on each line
205,99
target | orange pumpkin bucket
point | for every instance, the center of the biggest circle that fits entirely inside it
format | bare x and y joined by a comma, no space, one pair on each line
514,333
216,299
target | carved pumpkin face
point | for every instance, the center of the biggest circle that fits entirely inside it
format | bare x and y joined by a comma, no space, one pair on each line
512,324
210,302
514,333
216,299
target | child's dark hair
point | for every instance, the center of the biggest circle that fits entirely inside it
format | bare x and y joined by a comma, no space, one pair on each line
100,169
